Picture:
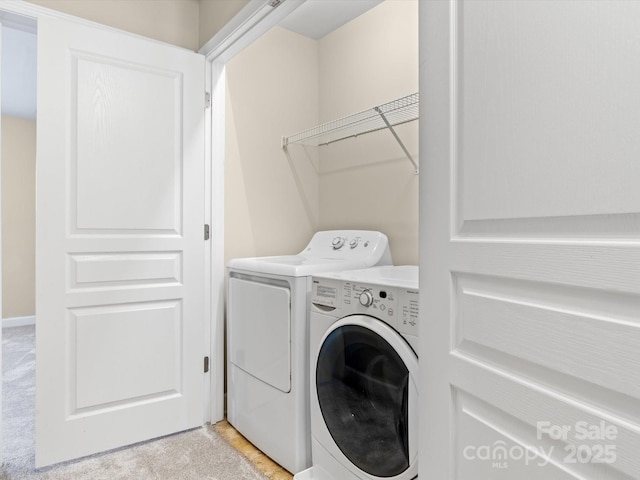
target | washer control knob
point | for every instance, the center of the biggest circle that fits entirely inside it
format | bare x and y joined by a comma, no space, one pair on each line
337,243
354,243
366,298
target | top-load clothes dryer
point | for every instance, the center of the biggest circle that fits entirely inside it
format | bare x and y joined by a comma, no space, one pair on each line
267,339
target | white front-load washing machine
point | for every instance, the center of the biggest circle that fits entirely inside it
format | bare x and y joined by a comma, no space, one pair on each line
363,338
268,343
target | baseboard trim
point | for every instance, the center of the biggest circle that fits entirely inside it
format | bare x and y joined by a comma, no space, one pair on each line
18,321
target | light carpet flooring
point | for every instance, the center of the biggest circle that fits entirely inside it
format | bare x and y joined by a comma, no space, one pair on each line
215,452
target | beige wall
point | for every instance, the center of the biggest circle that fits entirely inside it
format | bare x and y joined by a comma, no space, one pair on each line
214,14
18,216
367,182
186,23
284,83
271,200
171,21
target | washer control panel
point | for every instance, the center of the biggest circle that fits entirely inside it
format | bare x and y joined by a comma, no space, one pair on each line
396,306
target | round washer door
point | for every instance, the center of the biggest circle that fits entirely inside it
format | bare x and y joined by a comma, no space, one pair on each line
366,387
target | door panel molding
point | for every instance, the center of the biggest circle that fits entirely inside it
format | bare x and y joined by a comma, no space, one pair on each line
530,237
119,247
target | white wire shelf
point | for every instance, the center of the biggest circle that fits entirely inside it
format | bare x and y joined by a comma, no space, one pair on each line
387,116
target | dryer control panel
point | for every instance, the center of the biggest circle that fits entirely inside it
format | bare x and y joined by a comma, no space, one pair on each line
397,306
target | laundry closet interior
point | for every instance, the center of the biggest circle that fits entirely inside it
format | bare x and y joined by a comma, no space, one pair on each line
285,83
321,135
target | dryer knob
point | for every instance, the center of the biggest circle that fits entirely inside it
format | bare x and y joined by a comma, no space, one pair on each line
366,298
337,243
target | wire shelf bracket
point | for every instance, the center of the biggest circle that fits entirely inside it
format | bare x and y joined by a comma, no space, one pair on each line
386,116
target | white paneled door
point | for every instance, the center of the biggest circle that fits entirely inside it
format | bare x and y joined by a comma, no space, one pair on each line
120,246
530,240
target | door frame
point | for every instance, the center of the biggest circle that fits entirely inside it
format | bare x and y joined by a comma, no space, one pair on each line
255,19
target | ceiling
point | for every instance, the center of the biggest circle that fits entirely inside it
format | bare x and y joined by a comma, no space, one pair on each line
314,19
317,18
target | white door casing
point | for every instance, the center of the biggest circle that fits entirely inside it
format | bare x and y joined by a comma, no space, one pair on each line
119,241
530,252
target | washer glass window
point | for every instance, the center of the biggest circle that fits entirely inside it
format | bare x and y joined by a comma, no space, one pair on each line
362,386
